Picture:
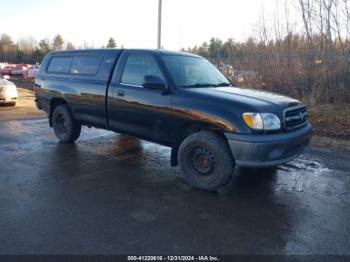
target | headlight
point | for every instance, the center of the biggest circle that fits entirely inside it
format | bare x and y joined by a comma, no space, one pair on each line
253,120
262,121
271,121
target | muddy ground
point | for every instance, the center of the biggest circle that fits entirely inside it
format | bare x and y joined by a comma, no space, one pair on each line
114,194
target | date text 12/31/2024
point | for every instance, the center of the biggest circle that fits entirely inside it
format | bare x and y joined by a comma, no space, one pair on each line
173,258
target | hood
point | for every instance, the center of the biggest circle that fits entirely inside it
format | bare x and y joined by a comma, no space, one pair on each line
4,82
258,96
8,84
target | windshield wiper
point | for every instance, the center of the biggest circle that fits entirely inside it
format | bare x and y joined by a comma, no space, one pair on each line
200,85
208,85
224,84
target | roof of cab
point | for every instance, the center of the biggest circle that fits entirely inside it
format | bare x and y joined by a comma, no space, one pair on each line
117,51
86,51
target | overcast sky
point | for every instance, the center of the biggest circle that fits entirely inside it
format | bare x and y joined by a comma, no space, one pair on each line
133,23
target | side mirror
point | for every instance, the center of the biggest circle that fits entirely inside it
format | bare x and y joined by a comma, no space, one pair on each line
6,77
153,82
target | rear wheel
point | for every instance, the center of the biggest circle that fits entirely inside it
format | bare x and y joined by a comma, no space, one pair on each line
66,128
206,161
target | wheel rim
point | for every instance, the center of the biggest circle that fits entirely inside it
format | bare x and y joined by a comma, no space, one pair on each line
61,124
203,161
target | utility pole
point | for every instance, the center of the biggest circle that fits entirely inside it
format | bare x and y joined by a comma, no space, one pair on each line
159,45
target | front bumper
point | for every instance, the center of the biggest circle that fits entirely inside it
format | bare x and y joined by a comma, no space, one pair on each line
268,150
5,99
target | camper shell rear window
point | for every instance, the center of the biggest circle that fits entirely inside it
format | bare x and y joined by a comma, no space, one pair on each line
76,65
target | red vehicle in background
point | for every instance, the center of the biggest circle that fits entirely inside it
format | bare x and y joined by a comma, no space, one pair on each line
7,69
19,69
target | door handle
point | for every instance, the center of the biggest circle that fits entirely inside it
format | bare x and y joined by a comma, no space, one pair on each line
120,93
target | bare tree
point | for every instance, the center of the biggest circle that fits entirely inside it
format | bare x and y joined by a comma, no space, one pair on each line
307,8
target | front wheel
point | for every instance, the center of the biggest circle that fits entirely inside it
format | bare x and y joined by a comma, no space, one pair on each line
66,128
206,161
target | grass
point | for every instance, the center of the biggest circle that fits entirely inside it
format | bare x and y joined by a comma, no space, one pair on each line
331,120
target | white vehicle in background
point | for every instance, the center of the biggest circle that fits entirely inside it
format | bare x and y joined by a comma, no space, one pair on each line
31,73
8,91
2,65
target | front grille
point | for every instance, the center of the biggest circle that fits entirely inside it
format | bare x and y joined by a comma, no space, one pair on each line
295,117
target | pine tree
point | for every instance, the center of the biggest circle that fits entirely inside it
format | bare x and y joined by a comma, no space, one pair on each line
58,42
7,47
111,43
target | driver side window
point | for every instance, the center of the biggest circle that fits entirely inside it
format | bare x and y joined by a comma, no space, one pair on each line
137,66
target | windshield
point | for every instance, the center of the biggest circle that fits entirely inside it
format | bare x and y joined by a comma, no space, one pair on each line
191,72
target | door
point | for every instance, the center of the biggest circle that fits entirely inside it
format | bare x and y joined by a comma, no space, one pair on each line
136,110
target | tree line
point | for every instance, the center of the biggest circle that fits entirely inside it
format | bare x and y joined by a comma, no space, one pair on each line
312,63
29,51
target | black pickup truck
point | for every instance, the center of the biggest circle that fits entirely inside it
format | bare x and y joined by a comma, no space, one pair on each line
174,99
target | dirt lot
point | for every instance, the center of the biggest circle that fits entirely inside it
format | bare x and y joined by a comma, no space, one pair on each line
114,194
24,109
